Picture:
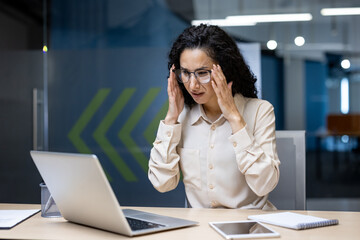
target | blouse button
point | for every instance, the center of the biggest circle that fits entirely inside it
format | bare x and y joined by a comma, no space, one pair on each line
168,134
213,203
211,186
213,127
211,166
212,146
234,144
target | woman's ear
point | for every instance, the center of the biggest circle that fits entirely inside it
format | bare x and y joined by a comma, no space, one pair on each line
230,85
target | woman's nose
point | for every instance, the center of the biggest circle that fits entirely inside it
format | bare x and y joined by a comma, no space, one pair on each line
194,83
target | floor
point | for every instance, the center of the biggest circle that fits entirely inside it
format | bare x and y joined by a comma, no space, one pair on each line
338,186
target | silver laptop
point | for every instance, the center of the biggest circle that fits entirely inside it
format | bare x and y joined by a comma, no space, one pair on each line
83,195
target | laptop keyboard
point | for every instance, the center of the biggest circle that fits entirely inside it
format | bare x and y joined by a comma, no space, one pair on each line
136,224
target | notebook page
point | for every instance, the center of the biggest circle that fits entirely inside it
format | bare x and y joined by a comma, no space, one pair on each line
9,218
293,220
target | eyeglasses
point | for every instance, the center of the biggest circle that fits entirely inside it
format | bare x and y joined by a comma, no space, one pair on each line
183,76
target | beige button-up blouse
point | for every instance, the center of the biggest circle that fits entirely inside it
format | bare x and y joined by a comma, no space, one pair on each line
220,169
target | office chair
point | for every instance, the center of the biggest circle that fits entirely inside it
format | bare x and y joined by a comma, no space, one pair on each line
290,193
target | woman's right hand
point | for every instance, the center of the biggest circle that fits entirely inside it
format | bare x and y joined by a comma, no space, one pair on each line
176,99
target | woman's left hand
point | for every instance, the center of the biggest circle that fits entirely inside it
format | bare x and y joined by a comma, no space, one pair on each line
225,99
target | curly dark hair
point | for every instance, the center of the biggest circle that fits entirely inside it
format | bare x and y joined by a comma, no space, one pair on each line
219,46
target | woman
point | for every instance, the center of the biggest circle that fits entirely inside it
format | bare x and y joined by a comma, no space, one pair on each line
216,131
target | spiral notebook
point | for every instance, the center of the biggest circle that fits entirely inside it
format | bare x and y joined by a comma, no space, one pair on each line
293,220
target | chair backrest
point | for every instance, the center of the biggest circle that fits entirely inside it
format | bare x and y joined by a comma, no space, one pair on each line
290,193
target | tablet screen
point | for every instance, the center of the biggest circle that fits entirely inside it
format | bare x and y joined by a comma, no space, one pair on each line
243,229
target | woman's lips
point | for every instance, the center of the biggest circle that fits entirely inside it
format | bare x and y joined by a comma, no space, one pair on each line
197,95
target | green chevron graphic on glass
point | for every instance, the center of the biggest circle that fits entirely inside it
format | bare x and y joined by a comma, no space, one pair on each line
150,131
106,146
125,131
85,117
88,113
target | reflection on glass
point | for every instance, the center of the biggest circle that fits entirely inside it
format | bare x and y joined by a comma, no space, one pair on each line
242,228
344,95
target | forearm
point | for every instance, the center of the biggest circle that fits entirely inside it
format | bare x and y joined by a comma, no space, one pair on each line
256,154
259,166
163,176
236,122
164,171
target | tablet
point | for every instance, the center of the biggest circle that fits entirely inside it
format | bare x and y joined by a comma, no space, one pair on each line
243,229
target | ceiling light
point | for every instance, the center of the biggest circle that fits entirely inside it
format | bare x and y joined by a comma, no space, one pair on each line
293,17
222,22
345,64
271,44
299,41
340,11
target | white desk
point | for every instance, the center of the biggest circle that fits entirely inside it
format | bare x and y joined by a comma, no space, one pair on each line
58,228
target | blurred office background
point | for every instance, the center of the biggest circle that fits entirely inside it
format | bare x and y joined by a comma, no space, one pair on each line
89,76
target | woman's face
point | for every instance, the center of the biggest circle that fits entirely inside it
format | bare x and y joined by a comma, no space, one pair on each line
192,60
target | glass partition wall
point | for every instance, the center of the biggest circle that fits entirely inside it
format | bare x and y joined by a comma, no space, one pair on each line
107,80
